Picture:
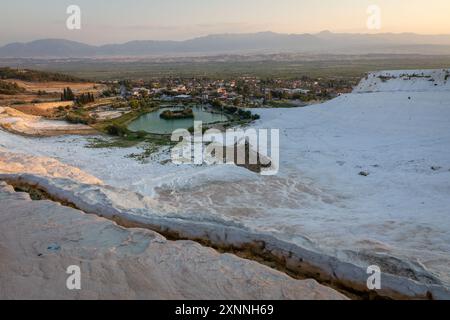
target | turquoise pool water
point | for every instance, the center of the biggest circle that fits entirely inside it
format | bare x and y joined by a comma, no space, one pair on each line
152,123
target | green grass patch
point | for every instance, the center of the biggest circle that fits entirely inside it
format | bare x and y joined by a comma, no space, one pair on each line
150,148
98,143
281,104
312,66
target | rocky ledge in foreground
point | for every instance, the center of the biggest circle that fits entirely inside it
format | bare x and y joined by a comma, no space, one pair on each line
39,240
46,178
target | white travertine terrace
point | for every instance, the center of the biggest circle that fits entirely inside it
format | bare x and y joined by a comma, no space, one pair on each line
39,240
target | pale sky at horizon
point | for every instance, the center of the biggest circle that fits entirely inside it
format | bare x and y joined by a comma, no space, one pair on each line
116,21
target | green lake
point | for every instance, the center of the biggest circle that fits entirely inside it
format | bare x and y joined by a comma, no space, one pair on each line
152,122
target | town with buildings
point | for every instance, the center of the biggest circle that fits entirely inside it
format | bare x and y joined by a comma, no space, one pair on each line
248,92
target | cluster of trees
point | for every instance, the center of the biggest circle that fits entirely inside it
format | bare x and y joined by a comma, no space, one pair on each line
36,76
283,95
243,88
184,114
216,103
241,113
276,94
247,115
85,98
67,95
115,129
10,88
142,103
78,118
110,92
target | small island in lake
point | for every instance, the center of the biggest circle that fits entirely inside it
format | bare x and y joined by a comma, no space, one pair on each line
179,114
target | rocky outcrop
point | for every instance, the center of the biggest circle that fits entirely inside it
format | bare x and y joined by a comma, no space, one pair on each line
132,210
39,240
77,189
432,80
18,122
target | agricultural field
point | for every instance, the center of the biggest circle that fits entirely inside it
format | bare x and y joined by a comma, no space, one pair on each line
29,99
45,109
57,86
230,66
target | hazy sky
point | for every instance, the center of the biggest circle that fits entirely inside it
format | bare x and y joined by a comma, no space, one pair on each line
109,21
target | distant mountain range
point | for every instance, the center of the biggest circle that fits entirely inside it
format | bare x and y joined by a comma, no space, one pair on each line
264,42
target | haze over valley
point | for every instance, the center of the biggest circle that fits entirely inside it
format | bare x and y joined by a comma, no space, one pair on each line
254,43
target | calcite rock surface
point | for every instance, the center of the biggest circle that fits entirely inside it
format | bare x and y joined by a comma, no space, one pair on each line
39,240
20,163
16,121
